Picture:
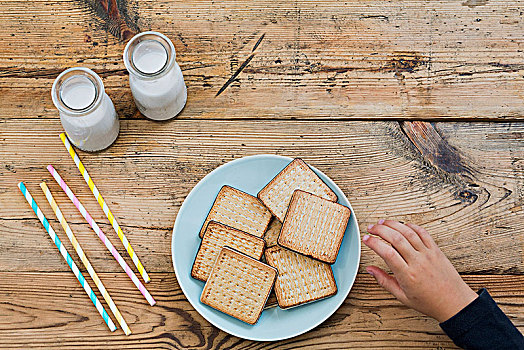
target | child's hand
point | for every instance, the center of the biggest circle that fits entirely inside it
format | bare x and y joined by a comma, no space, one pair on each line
424,278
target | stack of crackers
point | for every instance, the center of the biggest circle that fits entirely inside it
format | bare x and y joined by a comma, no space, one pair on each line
285,240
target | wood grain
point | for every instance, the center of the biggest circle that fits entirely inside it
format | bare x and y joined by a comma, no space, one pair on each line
473,207
352,87
38,313
318,59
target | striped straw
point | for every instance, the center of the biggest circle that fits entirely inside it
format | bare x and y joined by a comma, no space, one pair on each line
66,256
84,259
105,208
101,235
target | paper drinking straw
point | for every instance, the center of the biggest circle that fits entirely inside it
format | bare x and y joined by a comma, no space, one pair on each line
83,257
67,257
101,235
105,208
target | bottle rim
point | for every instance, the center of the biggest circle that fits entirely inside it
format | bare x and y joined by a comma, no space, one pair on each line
159,38
64,77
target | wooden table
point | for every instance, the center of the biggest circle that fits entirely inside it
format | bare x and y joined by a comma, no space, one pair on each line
414,109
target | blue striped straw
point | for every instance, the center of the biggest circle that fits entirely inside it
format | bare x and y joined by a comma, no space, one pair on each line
67,257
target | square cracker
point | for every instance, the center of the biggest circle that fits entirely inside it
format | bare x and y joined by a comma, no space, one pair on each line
239,285
314,226
297,175
240,210
217,236
300,279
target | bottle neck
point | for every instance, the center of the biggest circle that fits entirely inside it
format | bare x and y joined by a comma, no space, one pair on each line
149,56
77,91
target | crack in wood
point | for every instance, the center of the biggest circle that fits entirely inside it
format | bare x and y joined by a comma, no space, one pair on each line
242,67
235,74
258,42
16,72
104,225
381,17
401,62
406,62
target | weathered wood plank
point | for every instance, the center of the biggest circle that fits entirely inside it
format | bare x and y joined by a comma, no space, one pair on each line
369,319
472,205
318,59
314,60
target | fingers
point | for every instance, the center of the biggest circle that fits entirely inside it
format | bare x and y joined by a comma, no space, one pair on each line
387,282
406,231
425,237
392,258
395,238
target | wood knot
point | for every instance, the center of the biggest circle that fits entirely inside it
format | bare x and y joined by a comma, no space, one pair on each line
467,196
433,147
116,17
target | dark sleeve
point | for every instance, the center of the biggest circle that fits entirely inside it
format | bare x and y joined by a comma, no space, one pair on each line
483,325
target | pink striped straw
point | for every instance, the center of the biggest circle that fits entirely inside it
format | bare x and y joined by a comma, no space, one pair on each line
101,235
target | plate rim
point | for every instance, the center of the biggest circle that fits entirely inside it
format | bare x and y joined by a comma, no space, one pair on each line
254,338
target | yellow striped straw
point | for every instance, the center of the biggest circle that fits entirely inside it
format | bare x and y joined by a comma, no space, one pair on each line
105,208
84,259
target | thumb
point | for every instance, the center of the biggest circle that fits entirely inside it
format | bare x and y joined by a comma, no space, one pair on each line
387,282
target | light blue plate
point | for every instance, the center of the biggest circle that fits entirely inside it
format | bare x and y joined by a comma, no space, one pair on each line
251,174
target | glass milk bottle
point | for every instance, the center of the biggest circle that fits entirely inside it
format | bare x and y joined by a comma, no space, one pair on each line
86,112
155,77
